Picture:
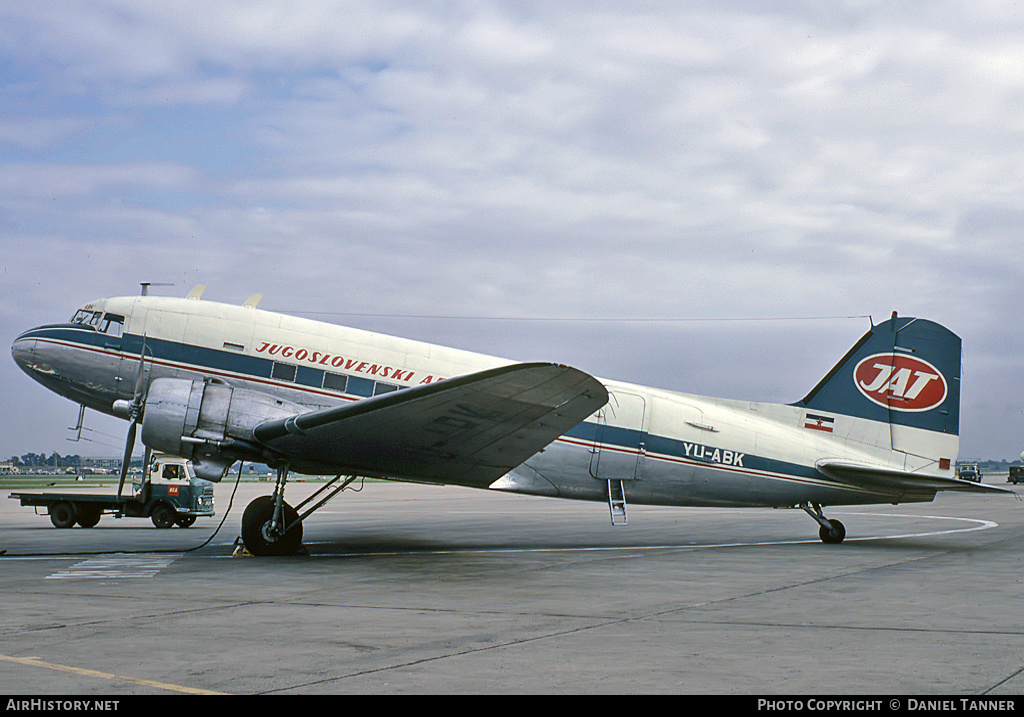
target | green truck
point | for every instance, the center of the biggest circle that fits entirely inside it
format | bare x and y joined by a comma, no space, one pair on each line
169,493
969,471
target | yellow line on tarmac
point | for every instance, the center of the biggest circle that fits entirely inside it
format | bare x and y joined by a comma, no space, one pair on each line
36,662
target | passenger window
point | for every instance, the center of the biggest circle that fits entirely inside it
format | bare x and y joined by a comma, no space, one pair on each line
335,381
283,371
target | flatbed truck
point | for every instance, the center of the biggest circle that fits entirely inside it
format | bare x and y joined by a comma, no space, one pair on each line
169,494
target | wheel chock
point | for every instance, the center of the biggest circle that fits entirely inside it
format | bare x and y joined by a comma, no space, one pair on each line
240,550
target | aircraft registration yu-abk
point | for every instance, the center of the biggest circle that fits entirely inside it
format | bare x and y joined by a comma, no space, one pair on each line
217,384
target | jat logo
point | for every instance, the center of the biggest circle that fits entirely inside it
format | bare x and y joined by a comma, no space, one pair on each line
902,383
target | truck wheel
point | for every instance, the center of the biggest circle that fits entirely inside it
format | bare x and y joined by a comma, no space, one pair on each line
62,514
87,516
163,517
185,521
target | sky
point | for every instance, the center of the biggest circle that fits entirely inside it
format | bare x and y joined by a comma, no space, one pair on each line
715,198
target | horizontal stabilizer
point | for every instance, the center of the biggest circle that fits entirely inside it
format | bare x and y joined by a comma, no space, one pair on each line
891,480
469,430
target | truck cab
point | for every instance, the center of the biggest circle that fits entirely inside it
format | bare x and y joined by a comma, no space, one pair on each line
969,471
173,492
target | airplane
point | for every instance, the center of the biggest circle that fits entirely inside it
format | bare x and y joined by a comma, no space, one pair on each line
218,383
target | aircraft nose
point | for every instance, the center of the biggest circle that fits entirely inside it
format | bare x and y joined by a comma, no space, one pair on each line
24,350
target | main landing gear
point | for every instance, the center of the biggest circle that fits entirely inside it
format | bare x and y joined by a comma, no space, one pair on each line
831,530
272,527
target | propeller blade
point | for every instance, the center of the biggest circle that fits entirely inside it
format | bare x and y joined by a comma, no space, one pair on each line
138,402
129,447
140,376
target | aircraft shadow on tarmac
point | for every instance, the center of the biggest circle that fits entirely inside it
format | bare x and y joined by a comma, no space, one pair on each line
931,534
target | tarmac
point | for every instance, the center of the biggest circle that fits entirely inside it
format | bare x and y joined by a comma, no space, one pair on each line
411,589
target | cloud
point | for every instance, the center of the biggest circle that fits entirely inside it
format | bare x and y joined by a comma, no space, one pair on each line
560,160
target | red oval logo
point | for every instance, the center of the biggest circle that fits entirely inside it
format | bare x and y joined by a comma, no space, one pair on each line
902,383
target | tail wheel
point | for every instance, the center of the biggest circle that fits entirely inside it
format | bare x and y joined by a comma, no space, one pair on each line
262,537
833,534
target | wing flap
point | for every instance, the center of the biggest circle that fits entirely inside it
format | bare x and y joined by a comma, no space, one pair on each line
468,430
891,480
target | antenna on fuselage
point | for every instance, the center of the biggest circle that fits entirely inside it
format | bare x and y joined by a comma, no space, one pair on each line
146,284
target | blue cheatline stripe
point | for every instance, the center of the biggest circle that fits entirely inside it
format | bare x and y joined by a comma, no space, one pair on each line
182,353
692,453
192,358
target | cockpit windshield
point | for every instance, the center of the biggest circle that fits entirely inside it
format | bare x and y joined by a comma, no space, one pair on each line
112,324
87,317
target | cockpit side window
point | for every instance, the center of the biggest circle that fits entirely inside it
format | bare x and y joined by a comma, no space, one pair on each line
112,324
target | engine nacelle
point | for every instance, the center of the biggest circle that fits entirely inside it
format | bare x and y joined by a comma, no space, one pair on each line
208,422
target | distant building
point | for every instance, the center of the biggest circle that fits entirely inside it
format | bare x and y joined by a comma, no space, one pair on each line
107,463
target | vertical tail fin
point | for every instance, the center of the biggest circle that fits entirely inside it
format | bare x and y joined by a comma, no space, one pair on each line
904,372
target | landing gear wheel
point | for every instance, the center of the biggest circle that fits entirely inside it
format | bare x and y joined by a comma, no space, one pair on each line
833,535
163,516
261,537
62,515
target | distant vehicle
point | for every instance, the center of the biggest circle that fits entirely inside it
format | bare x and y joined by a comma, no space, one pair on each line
169,494
1016,475
969,471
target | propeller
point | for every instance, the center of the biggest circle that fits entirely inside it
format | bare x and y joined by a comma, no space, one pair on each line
134,413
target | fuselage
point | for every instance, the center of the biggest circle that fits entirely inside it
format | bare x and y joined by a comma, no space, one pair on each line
666,447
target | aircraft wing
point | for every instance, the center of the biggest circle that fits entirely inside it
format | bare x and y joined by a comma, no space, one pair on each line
890,480
469,430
